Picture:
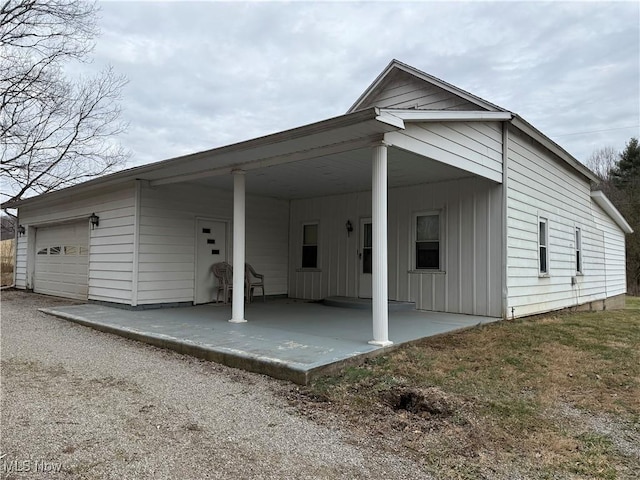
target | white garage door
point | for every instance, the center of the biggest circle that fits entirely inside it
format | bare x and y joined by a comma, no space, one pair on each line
62,254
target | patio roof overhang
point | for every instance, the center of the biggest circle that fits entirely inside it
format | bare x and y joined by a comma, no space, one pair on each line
333,136
327,157
341,163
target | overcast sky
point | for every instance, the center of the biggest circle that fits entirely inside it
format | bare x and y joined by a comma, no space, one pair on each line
207,74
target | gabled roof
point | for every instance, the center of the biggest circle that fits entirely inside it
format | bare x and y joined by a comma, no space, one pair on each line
396,65
517,121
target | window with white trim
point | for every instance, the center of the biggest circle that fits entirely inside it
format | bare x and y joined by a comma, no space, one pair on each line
578,250
543,246
427,241
310,245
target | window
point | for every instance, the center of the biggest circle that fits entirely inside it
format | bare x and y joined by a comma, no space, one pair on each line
310,245
543,244
43,251
70,250
578,250
367,249
428,241
55,250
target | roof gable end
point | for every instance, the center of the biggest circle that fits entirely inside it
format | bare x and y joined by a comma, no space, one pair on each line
403,86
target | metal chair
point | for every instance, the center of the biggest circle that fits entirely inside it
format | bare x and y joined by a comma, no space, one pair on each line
224,275
253,280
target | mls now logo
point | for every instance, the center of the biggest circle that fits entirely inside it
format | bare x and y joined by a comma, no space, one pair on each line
28,465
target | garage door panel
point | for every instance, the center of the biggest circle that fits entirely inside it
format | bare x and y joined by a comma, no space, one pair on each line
61,266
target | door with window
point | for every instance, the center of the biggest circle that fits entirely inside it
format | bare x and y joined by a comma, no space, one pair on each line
211,241
366,258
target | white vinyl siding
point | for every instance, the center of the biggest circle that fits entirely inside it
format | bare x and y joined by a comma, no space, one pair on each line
167,239
613,239
402,90
469,280
472,146
110,244
540,185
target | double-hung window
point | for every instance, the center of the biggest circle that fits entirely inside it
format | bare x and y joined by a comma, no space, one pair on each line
578,250
427,241
543,246
310,245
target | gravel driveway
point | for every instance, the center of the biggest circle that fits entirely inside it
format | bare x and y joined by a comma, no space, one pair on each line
93,405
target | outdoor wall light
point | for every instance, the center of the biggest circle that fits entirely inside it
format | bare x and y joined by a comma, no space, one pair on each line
95,220
21,230
349,227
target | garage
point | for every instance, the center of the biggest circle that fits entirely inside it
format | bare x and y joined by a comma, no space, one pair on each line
61,266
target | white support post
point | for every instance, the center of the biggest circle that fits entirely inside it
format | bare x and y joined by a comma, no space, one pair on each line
237,306
380,289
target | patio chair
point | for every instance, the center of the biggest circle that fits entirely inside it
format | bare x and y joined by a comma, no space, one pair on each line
224,275
253,280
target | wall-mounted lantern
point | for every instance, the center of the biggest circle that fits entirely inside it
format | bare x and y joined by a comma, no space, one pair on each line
95,220
21,230
349,227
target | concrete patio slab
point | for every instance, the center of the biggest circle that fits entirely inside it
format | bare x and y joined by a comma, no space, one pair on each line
288,339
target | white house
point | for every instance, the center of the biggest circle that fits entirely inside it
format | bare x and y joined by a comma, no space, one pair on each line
421,192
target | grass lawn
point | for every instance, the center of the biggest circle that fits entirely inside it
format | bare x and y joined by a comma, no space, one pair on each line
549,397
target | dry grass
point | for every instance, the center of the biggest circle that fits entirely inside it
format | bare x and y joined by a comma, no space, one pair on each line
554,397
7,250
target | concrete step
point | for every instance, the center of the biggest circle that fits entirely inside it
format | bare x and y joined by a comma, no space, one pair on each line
365,303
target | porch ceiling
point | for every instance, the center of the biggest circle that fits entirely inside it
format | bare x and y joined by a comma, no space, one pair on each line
338,173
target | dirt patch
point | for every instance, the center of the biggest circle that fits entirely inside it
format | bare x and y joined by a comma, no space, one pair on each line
426,402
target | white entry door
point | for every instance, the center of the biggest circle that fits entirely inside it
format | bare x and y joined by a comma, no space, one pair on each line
366,258
211,241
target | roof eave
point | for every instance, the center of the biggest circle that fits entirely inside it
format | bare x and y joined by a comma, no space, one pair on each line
603,202
413,115
525,127
134,173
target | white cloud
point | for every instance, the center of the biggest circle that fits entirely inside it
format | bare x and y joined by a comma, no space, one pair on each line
208,74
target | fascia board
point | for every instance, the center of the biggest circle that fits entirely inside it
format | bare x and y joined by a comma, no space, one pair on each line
412,115
525,127
603,202
146,172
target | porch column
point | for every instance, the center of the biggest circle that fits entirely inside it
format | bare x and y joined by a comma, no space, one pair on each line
237,306
380,289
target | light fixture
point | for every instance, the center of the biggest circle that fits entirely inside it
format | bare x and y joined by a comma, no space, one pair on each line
349,227
21,230
95,220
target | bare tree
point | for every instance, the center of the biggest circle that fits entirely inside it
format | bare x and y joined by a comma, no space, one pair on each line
602,161
54,130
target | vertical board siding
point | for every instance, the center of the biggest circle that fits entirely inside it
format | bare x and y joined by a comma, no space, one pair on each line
471,210
403,90
540,185
110,245
167,253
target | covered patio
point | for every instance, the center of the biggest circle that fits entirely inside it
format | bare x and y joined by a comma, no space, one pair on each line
284,338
